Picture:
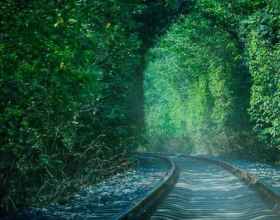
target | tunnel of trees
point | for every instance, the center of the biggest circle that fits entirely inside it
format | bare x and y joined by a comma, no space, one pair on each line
85,82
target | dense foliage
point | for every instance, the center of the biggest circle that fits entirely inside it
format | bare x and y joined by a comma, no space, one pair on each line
71,91
71,86
212,82
66,69
189,88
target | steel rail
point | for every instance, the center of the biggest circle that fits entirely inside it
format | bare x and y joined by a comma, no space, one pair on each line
267,194
206,191
270,196
142,205
142,208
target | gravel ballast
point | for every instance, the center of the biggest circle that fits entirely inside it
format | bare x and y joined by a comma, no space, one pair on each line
96,202
263,172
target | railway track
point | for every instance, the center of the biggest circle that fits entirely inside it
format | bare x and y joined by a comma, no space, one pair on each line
190,188
206,189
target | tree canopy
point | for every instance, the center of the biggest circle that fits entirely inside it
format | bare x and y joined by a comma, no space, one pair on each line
71,91
84,82
212,81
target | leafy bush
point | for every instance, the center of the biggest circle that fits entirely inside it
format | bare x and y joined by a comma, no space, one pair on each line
195,87
66,72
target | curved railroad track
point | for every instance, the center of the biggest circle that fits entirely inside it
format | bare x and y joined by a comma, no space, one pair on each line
205,189
190,188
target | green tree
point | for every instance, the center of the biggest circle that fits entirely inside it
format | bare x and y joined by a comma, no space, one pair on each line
199,60
66,73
